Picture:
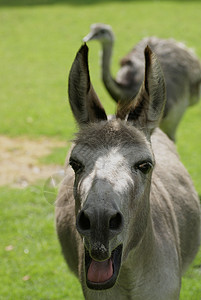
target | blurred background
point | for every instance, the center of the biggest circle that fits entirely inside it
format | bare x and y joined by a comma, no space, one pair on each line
39,40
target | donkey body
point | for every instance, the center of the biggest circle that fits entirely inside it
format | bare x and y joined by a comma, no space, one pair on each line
127,214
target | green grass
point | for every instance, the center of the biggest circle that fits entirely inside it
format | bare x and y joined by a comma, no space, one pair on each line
57,156
27,223
39,44
39,40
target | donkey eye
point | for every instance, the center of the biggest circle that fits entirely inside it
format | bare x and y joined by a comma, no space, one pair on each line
76,165
145,167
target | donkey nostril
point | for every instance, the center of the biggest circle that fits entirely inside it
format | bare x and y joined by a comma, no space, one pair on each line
84,222
116,222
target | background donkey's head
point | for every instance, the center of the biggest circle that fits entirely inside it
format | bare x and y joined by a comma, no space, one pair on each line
113,162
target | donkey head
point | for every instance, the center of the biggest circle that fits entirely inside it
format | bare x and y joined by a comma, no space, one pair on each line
113,162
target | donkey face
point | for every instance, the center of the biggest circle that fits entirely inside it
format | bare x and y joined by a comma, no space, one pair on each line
113,162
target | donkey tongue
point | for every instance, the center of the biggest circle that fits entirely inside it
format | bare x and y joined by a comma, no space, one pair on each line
100,271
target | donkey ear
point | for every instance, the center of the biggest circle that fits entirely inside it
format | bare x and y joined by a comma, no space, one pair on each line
84,102
146,109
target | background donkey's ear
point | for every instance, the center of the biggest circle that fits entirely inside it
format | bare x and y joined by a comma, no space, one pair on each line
84,102
147,108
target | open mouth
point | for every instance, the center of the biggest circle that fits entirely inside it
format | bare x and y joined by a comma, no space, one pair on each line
103,275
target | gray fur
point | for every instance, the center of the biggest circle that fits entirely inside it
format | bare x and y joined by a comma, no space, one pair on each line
159,212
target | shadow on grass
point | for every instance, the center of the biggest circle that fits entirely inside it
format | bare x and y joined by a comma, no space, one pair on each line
71,2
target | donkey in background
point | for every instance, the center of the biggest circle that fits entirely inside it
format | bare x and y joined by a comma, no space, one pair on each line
127,214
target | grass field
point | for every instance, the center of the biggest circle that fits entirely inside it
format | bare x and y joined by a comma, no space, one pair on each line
39,40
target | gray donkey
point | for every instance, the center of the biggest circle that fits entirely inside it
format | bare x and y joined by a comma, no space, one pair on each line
127,214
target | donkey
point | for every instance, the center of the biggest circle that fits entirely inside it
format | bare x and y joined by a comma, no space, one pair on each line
127,214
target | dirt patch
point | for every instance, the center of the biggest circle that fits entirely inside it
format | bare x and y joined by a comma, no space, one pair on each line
19,160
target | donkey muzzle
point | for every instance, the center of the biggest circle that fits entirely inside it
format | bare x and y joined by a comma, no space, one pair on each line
98,227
